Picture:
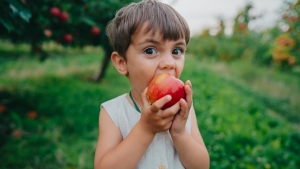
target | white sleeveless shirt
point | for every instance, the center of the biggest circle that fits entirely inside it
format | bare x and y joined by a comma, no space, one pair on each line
161,154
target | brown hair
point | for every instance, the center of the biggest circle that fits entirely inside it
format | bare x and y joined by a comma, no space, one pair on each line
159,16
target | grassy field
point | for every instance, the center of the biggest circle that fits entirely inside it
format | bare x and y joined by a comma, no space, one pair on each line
49,115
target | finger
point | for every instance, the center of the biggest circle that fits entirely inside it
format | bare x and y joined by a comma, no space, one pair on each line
189,94
184,109
188,82
169,121
168,124
171,111
158,104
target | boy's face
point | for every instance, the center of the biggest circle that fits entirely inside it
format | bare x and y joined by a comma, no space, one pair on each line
149,55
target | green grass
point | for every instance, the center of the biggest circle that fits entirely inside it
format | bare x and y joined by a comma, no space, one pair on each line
239,130
279,91
67,103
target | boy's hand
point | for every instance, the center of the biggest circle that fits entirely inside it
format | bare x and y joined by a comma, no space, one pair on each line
155,120
178,125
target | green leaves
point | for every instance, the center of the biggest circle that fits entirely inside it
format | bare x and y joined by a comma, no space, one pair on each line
27,21
12,14
19,9
88,21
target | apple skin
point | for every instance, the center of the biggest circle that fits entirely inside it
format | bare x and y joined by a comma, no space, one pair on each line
63,16
67,38
48,32
95,30
16,133
165,84
55,11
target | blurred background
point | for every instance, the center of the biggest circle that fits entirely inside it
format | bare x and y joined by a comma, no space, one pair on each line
201,14
243,60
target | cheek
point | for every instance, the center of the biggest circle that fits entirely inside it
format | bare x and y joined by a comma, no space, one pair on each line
179,67
140,74
140,67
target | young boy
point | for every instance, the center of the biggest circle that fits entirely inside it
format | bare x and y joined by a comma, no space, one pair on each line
149,38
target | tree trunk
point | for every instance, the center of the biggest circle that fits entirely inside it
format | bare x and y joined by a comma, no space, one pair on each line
104,64
37,49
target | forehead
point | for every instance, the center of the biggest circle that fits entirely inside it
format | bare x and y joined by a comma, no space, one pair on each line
146,32
143,32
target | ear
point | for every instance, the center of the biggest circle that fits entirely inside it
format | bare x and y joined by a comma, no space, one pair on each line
119,63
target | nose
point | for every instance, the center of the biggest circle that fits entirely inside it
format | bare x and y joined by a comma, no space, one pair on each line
167,62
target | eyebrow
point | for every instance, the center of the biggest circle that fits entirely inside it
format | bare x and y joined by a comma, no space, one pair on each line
149,41
158,42
181,43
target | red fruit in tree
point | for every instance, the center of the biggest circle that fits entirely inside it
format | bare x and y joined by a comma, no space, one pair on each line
165,84
32,114
292,61
64,17
16,133
2,108
67,38
95,30
48,32
55,11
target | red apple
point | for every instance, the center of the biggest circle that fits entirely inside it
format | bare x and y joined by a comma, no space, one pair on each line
16,133
95,30
55,11
64,17
48,32
32,114
67,38
2,108
165,84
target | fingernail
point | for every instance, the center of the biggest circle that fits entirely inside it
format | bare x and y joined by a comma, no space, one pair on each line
189,82
169,97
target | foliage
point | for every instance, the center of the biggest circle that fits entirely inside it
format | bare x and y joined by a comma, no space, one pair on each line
13,14
241,22
238,129
70,23
255,46
64,131
268,87
286,50
270,47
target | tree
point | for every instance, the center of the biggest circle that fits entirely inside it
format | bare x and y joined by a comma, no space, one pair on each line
73,23
242,20
286,51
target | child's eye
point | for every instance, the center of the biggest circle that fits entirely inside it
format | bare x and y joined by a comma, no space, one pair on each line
177,51
150,51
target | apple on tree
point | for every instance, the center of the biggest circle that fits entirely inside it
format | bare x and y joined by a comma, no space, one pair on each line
67,38
16,133
63,16
55,11
165,84
95,30
48,32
